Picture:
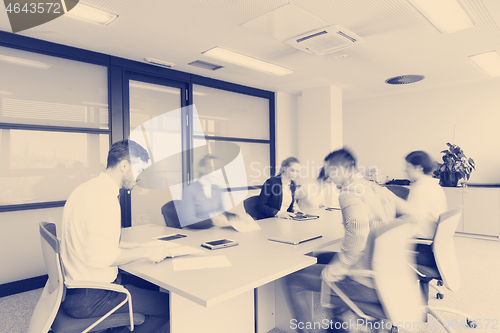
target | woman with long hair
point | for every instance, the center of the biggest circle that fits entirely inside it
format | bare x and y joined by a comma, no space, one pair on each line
277,197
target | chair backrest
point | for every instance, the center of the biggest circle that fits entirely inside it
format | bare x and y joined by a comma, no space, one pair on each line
401,191
443,247
170,214
48,305
250,205
394,280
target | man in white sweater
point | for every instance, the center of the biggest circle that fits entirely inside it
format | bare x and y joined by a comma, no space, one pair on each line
90,243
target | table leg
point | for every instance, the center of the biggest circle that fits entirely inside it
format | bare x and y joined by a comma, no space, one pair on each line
265,307
284,314
233,315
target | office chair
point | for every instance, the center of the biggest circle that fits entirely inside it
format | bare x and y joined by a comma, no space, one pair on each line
250,205
170,214
49,316
400,301
446,269
400,191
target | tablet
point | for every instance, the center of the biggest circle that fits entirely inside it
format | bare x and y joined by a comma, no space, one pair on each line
304,217
170,237
294,238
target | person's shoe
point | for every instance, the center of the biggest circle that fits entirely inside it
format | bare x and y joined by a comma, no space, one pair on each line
340,321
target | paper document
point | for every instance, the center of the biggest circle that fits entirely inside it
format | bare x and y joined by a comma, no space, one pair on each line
183,251
244,225
160,243
184,264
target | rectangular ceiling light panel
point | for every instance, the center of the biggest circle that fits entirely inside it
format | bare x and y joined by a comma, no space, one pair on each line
246,61
446,15
489,62
91,14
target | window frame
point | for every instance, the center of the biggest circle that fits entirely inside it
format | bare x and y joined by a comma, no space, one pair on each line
119,71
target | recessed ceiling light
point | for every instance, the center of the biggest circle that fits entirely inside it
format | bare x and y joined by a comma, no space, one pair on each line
205,65
24,62
446,15
246,61
91,14
489,62
161,63
405,79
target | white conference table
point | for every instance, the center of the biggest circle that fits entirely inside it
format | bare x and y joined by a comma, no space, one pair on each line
222,299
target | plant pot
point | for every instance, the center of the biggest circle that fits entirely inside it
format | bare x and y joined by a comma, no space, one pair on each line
449,179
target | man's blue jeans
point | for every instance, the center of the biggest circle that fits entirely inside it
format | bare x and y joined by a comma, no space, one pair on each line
85,303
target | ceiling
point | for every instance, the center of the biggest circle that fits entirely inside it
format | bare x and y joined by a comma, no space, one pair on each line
398,41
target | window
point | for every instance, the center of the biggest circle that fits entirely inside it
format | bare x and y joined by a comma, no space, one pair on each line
54,126
242,119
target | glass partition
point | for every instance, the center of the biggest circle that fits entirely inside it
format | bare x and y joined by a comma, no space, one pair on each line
156,124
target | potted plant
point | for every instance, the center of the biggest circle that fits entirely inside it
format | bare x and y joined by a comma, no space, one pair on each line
455,166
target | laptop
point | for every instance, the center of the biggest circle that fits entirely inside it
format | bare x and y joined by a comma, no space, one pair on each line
295,238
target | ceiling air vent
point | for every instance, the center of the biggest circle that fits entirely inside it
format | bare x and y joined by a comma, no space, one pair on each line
404,79
325,40
205,65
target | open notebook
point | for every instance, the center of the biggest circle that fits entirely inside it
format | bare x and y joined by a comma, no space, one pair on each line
295,238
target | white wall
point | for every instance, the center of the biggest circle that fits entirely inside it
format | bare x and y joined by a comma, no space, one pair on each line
382,132
286,126
319,131
20,243
319,126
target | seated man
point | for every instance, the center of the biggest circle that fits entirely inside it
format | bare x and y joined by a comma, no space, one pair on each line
91,249
365,207
203,205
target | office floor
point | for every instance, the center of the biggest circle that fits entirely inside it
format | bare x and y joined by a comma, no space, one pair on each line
479,295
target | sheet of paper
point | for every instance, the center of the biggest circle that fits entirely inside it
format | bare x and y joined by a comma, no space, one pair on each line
167,244
184,264
184,250
244,225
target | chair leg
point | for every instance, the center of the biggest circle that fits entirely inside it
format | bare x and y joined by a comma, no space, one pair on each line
458,312
424,288
440,319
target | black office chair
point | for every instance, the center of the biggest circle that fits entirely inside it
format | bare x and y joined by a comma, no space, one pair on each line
171,217
250,205
400,191
446,269
170,214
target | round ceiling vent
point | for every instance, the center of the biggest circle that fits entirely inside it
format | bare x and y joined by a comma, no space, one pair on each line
404,79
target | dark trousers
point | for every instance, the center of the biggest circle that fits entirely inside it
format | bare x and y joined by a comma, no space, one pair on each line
85,303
